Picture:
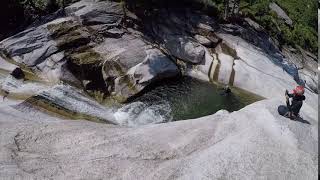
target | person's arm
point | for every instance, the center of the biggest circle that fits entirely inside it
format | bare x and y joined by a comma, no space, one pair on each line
287,99
290,95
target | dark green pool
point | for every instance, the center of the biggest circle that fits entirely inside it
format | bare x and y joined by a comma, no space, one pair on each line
189,98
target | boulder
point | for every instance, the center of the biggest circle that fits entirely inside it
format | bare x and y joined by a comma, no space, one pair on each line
254,24
29,47
204,41
42,49
171,30
131,64
281,13
156,66
185,48
18,73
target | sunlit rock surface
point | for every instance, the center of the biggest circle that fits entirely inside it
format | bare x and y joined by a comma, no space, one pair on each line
90,44
252,143
101,43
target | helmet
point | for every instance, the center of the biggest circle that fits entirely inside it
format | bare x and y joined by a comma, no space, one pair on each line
299,90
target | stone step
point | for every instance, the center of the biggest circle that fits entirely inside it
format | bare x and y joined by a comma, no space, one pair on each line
214,69
225,69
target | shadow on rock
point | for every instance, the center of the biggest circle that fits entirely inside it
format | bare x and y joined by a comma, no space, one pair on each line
300,119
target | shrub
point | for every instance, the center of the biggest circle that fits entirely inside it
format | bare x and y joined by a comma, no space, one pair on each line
303,13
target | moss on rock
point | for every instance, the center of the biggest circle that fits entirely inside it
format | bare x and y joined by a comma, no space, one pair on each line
69,34
227,49
86,57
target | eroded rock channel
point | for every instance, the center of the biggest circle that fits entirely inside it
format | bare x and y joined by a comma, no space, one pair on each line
98,51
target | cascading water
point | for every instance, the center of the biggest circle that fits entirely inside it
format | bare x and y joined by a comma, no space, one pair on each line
180,99
169,100
139,113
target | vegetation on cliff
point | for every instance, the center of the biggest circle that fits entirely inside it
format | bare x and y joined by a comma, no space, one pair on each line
303,32
17,14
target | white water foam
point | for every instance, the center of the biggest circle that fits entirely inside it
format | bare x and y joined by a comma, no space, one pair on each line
23,88
73,99
139,113
132,115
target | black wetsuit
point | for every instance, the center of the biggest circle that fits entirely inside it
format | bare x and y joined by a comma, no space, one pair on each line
296,104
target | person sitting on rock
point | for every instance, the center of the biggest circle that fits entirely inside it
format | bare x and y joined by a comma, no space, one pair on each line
296,103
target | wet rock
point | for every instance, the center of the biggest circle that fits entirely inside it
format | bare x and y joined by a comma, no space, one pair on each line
11,84
67,101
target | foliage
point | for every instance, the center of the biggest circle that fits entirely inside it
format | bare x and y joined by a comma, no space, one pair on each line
303,13
17,14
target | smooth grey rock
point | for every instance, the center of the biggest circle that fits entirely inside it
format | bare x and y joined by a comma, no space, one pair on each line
257,38
203,40
156,66
131,64
70,102
39,48
106,31
172,30
185,48
307,66
30,47
84,7
234,145
254,142
281,13
101,17
257,72
128,50
254,24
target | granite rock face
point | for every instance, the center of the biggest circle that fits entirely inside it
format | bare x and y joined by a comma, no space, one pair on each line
96,46
281,13
250,143
101,43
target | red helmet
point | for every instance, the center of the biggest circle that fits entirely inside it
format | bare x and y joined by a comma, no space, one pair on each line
299,90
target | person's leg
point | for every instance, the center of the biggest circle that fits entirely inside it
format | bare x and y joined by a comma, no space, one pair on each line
292,116
6,93
287,115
